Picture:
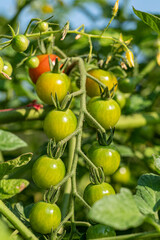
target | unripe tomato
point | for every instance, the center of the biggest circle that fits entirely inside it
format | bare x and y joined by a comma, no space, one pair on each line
126,85
60,124
93,192
51,83
32,62
122,175
120,99
7,68
106,112
44,217
43,26
47,171
100,231
105,77
43,66
106,157
20,43
1,64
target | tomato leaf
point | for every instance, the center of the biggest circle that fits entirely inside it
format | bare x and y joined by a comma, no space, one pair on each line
9,141
118,211
148,194
11,187
157,163
9,166
151,20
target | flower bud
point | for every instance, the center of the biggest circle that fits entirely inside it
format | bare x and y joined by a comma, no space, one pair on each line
130,58
115,8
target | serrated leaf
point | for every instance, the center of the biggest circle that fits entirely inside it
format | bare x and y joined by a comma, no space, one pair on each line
9,141
148,194
118,71
11,187
8,166
125,151
118,211
151,20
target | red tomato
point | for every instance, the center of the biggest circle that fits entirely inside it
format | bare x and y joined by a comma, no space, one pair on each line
43,66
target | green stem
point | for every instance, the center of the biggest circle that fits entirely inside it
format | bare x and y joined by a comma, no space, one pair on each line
86,159
24,231
108,25
60,52
95,123
82,200
79,223
96,80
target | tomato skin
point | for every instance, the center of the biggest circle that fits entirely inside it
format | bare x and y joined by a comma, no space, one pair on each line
59,124
105,77
47,171
120,99
44,217
53,83
1,64
126,85
106,112
106,157
122,175
93,192
43,66
43,26
20,43
33,62
100,231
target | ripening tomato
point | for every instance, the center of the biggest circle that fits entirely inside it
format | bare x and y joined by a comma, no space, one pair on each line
43,66
59,124
127,85
51,83
105,77
94,192
106,157
47,171
106,112
100,231
45,217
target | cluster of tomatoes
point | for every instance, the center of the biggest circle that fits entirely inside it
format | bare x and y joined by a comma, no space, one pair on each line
48,171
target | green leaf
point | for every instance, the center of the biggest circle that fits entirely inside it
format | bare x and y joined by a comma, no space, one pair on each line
9,141
125,151
148,194
157,163
11,187
118,211
151,20
9,166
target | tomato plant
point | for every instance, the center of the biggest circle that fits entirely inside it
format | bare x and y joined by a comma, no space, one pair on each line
106,77
94,192
51,83
106,157
47,171
43,66
100,231
106,112
20,43
44,217
59,124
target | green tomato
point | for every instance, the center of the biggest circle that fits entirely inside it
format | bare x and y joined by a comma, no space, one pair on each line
59,124
47,172
1,64
122,175
93,192
43,26
32,62
106,157
20,43
100,231
120,99
106,112
45,217
127,85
